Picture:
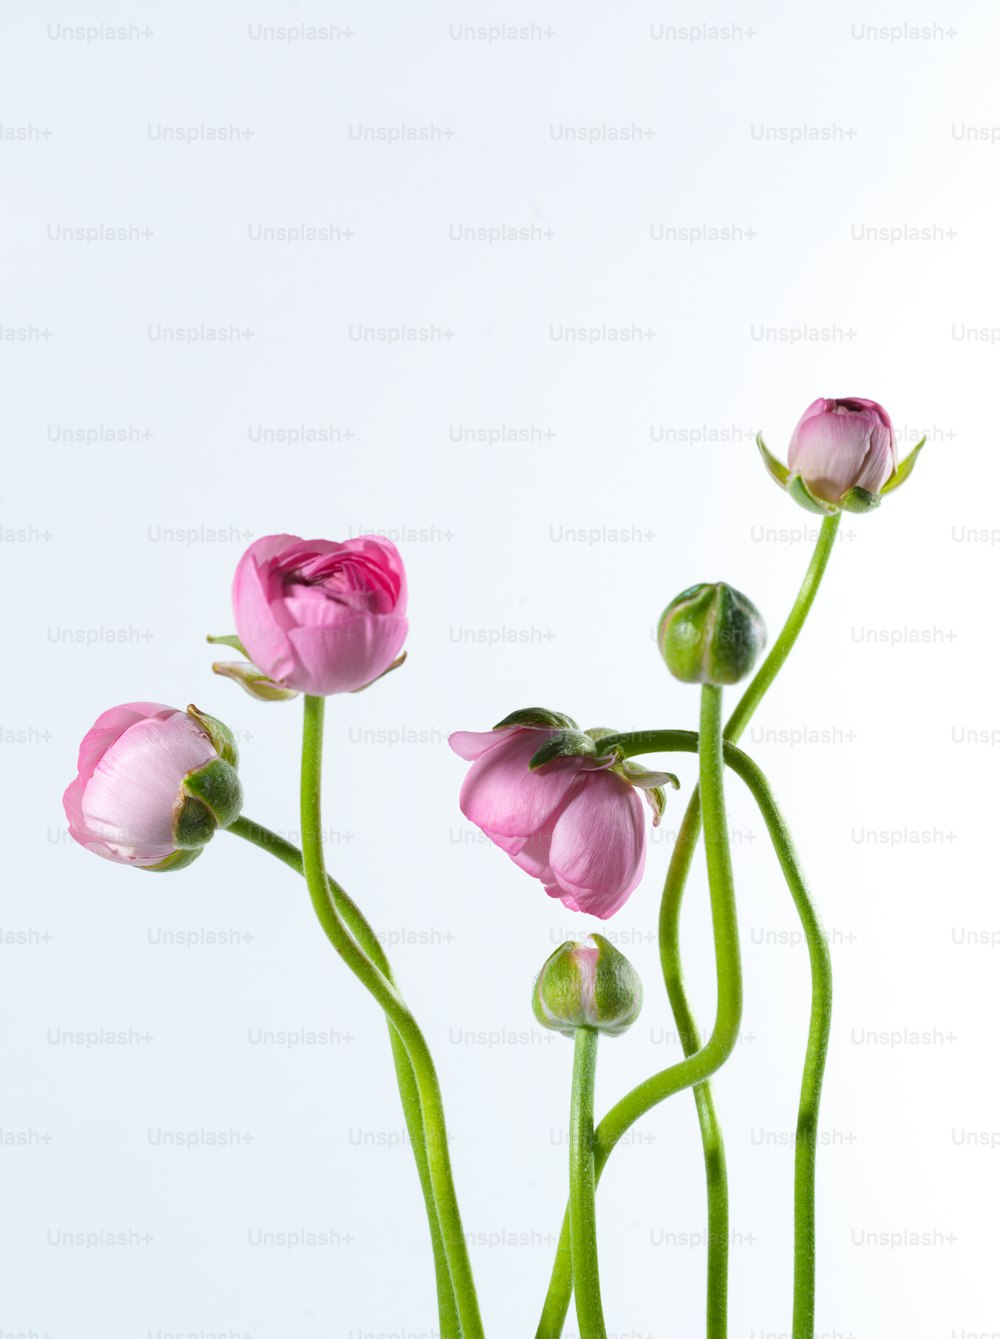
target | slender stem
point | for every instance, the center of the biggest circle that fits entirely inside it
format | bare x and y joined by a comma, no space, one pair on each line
713,1145
820,1009
788,635
672,900
386,995
720,881
368,941
691,1070
582,1185
698,1067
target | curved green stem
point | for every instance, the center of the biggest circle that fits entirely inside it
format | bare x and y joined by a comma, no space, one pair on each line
820,1011
693,1069
582,1185
386,995
720,882
368,941
673,895
713,1145
789,633
698,1067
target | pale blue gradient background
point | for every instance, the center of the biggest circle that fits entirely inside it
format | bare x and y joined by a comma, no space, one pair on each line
573,620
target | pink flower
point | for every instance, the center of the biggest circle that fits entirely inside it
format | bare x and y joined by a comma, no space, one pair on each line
319,616
573,824
135,798
838,445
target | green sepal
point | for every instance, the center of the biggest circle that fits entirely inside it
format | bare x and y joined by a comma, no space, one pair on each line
537,718
253,681
711,633
565,744
805,497
778,472
652,784
232,640
587,983
644,777
859,500
175,860
904,469
216,786
223,739
394,666
194,822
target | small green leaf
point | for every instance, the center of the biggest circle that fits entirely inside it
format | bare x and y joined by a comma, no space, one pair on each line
904,469
800,491
223,739
215,787
253,681
565,744
859,500
538,718
175,860
777,471
194,822
645,779
230,639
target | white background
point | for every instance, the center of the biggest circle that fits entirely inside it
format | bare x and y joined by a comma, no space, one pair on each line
117,558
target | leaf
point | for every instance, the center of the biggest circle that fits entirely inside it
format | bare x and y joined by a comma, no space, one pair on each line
801,492
565,744
777,471
230,640
538,718
859,500
904,469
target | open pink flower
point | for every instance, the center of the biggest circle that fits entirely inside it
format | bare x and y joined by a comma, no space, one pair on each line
318,616
136,798
838,445
573,824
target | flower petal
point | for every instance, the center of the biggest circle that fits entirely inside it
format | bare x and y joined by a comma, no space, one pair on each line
345,654
501,795
128,802
472,744
598,849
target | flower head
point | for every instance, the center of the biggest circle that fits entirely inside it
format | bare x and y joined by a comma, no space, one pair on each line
842,456
321,617
152,785
574,819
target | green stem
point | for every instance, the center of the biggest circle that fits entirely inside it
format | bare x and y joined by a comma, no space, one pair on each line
698,1067
670,915
386,995
368,941
820,1010
713,1146
720,882
788,635
582,1185
691,1070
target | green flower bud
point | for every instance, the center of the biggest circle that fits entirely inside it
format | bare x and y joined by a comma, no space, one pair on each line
711,634
587,983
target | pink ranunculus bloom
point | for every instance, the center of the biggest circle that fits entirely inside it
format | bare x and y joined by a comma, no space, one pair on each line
573,824
318,616
127,796
838,445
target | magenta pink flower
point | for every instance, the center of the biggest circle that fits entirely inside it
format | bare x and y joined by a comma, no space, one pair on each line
838,445
573,824
318,616
134,799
